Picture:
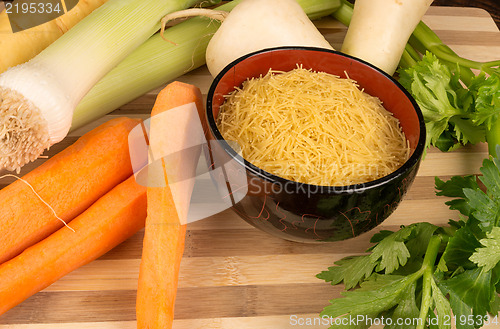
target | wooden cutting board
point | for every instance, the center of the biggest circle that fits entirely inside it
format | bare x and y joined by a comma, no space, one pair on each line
232,275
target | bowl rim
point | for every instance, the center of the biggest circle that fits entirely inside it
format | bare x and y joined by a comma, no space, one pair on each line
271,178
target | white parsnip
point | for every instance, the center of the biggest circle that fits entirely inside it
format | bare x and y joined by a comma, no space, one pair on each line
258,24
380,29
156,61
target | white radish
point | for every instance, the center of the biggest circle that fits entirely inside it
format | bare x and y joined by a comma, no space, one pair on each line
258,24
380,29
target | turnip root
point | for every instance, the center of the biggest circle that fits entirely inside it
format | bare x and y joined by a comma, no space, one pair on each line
257,24
380,29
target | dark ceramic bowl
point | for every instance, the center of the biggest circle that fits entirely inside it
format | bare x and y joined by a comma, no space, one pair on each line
309,213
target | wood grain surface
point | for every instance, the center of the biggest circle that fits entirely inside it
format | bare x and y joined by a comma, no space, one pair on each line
232,275
491,6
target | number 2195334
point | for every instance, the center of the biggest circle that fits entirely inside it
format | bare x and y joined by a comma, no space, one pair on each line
33,8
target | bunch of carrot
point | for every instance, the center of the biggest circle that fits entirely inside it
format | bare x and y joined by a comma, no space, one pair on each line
90,187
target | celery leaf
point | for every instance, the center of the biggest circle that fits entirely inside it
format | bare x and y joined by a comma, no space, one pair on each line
487,99
436,90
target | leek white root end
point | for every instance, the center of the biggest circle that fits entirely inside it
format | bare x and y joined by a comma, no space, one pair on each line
24,133
57,79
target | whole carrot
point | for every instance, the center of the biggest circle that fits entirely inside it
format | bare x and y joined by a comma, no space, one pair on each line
165,231
109,221
69,182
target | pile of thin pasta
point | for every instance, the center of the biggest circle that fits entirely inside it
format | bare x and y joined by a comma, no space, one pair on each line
314,128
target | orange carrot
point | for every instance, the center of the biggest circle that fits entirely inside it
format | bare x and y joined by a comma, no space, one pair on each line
109,221
165,231
69,182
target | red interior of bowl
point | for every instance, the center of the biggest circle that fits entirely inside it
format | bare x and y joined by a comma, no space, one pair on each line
368,78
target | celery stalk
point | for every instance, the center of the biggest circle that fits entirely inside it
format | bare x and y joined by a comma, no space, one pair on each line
344,13
424,39
157,61
493,138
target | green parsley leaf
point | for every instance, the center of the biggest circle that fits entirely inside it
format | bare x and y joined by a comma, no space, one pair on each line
421,235
473,288
407,310
459,249
461,311
376,281
392,251
453,269
491,176
351,270
443,308
484,209
488,256
363,302
381,235
454,188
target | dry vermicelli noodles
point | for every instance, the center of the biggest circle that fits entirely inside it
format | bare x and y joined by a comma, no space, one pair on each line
314,128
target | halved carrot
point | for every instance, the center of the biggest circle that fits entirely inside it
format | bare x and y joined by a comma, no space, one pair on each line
109,221
69,182
165,231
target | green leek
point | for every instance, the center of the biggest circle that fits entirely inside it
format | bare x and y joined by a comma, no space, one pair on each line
37,98
156,62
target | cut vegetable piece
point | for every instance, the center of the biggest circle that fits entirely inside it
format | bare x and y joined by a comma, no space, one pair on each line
164,236
111,220
69,182
26,44
37,98
257,24
380,29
